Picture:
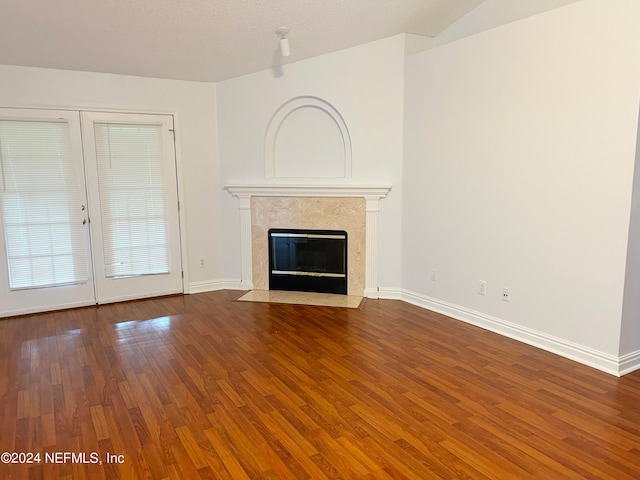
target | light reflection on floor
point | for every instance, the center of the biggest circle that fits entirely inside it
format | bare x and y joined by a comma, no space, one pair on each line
302,298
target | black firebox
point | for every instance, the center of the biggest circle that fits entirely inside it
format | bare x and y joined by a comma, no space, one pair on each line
308,260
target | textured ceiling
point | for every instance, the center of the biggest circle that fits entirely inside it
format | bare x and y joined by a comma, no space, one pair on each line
204,40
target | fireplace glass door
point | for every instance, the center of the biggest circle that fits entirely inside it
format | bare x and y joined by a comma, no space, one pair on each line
308,260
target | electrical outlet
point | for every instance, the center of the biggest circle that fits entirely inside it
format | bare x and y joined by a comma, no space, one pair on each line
202,262
434,274
482,288
505,294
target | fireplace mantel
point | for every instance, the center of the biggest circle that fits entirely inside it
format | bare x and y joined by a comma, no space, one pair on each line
371,193
309,190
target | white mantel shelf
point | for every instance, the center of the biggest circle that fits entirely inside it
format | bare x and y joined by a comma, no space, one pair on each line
309,190
371,193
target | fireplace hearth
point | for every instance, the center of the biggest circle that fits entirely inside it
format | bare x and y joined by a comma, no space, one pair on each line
308,260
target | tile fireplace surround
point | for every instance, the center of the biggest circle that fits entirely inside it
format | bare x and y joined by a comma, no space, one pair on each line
353,208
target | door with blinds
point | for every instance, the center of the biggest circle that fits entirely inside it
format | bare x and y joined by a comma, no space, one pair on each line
88,209
45,256
133,205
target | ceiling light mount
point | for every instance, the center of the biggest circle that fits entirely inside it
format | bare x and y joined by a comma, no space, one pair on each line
282,33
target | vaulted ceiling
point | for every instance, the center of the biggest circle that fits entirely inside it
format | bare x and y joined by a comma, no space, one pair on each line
203,40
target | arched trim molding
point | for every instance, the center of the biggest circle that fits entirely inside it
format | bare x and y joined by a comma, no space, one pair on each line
284,112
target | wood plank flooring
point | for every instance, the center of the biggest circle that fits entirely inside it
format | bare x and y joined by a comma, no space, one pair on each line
202,387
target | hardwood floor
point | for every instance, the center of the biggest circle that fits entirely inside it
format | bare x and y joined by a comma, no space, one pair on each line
204,387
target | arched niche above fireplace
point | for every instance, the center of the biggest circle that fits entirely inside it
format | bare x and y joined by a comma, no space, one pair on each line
307,138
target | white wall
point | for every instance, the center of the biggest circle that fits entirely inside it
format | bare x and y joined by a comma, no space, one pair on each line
493,13
365,84
630,335
193,105
519,157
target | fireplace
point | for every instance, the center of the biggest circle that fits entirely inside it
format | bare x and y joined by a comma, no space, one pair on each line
352,208
308,260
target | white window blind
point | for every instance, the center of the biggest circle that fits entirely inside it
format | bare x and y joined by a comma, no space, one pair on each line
41,205
131,184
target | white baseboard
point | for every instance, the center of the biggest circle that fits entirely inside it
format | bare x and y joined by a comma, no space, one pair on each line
629,363
579,353
370,293
388,293
222,284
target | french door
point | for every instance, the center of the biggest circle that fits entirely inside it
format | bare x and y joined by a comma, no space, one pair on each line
45,259
88,209
133,205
